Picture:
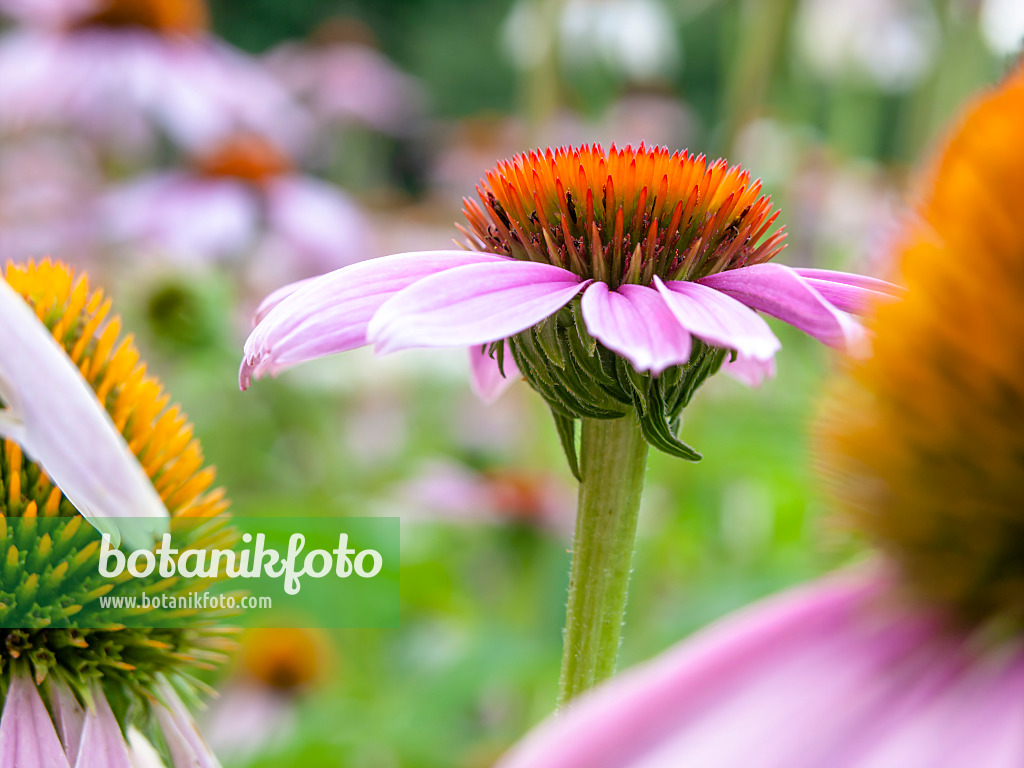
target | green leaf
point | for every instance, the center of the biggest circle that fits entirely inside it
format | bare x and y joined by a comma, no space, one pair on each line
567,436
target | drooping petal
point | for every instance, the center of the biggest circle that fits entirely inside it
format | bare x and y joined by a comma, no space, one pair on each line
276,297
53,414
782,293
829,675
471,305
329,314
141,753
185,744
749,370
486,377
718,319
103,744
68,715
847,291
635,322
27,736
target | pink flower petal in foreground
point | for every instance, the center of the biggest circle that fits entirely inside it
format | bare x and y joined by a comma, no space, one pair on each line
27,735
330,313
53,414
486,377
827,676
103,744
635,322
749,370
186,745
471,305
781,292
847,291
718,319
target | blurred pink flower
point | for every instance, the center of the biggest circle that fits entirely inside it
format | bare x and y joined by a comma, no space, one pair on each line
48,187
242,197
833,675
114,70
449,491
350,83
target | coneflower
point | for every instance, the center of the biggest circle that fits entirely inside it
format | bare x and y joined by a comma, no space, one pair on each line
85,698
617,282
915,658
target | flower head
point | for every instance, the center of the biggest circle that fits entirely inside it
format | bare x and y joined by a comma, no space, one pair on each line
187,17
618,282
68,344
915,659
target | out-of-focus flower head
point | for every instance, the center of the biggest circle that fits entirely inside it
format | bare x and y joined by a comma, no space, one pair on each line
88,433
346,81
276,668
449,491
241,197
616,281
1002,25
913,659
115,69
890,44
47,191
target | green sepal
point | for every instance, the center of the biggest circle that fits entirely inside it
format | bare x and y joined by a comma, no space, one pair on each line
566,428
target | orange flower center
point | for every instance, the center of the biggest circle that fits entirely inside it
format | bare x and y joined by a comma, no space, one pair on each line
246,157
625,215
188,17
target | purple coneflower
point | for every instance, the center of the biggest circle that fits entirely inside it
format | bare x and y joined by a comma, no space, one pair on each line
115,68
241,196
617,282
916,658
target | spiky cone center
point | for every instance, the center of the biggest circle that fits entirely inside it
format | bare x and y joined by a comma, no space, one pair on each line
922,443
625,215
50,557
169,17
247,157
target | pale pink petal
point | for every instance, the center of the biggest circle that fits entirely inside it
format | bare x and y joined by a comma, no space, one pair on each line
486,377
719,320
192,218
750,370
782,293
141,753
185,744
27,735
471,305
834,675
68,715
276,297
321,224
635,322
103,744
847,291
53,414
329,314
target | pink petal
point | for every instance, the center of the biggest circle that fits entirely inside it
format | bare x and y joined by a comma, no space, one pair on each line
782,293
276,297
68,715
321,224
471,305
485,376
186,745
635,322
27,735
749,370
847,291
53,414
103,744
329,314
832,675
712,316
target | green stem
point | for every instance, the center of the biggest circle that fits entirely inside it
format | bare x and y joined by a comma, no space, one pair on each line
613,457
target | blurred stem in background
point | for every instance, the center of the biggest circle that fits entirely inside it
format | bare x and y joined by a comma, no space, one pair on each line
542,83
613,453
762,29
